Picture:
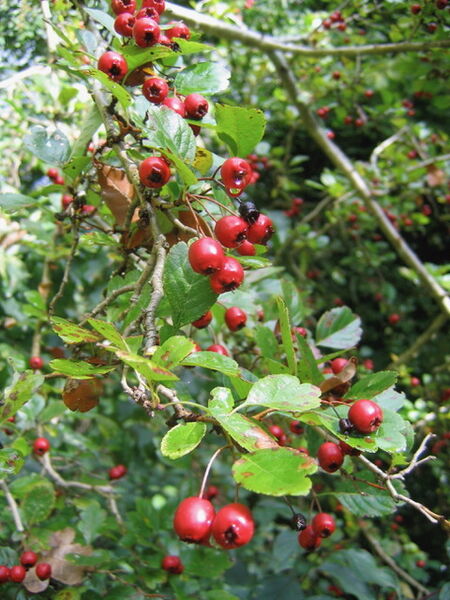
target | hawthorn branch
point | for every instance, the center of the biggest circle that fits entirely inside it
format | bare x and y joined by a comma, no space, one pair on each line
13,506
151,334
47,464
107,301
65,278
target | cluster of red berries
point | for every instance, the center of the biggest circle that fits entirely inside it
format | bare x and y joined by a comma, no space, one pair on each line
196,520
17,573
235,318
257,163
357,122
335,19
55,176
295,208
311,536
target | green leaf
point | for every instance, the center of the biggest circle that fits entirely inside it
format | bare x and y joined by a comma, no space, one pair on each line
136,56
173,351
117,90
274,366
390,435
266,341
275,471
38,503
286,335
284,393
202,78
91,521
11,461
371,385
53,148
308,370
390,399
90,124
78,369
101,17
72,170
182,439
206,562
239,128
338,328
145,367
71,333
213,361
246,432
109,332
189,293
23,388
10,203
349,580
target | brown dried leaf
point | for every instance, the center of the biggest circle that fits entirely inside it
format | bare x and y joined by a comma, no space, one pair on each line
341,379
116,190
33,584
139,75
63,570
82,394
435,176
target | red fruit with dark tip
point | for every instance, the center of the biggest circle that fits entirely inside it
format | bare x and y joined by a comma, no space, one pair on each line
219,349
43,571
160,5
261,231
17,573
415,9
211,492
4,573
431,27
154,172
176,105
233,526
308,539
338,364
394,318
203,321
323,525
117,472
148,12
366,416
28,559
52,173
123,6
172,564
36,363
124,23
330,457
236,174
178,30
196,106
277,432
441,4
346,449
41,445
246,249
146,32
206,256
296,427
113,64
66,200
235,318
155,89
231,231
193,519
229,277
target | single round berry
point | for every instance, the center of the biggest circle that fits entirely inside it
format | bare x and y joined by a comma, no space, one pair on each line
88,209
4,573
164,40
52,173
36,363
246,249
66,201
123,6
308,539
206,256
154,172
148,12
349,450
43,571
323,524
236,174
394,318
277,432
117,472
160,5
17,573
420,563
235,318
338,364
296,427
298,522
261,231
366,416
203,321
415,9
211,492
124,23
113,64
59,180
330,457
229,277
28,559
193,519
196,106
172,564
219,349
249,212
233,526
231,231
155,89
176,105
432,27
41,445
146,32
178,30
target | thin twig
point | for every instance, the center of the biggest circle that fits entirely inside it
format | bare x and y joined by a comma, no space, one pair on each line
107,301
13,506
65,278
46,463
150,331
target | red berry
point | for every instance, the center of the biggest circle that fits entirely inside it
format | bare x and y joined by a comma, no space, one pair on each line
231,231
203,321
124,24
233,526
229,277
368,364
236,174
148,12
323,524
52,173
366,416
336,75
146,32
368,93
59,180
88,209
117,472
420,563
261,231
36,363
193,519
346,449
246,249
178,30
308,539
41,445
338,364
28,559
17,573
441,4
330,457
415,9
155,89
326,24
123,6
4,573
235,318
296,427
431,27
415,381
154,172
219,349
176,105
66,200
348,120
331,135
43,571
211,492
342,26
276,431
172,564
113,64
160,5
359,122
206,256
196,106
394,318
